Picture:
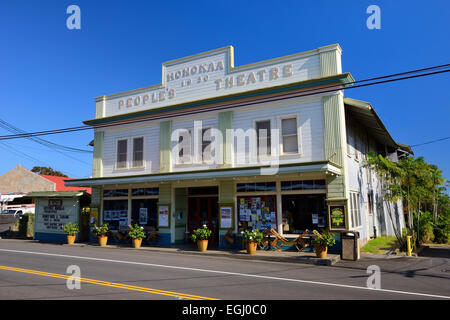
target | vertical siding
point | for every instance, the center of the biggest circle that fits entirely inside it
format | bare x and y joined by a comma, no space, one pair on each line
333,130
97,164
165,146
330,63
226,122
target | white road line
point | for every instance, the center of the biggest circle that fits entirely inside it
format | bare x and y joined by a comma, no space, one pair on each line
228,273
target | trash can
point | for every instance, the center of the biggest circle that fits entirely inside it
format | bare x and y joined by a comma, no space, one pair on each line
350,245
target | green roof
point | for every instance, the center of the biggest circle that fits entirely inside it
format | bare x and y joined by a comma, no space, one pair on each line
58,194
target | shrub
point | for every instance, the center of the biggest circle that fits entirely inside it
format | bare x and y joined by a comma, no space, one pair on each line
102,230
442,229
136,232
323,239
71,228
253,235
202,233
426,226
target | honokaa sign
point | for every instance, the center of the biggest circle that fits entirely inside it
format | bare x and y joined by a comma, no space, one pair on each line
337,216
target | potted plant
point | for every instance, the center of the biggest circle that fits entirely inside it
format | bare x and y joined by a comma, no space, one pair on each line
102,234
201,236
321,243
136,234
252,238
72,230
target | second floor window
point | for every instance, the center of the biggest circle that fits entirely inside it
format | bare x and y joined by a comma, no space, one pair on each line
289,135
263,137
122,154
138,152
206,144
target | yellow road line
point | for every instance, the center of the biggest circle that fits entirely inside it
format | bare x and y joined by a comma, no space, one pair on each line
109,284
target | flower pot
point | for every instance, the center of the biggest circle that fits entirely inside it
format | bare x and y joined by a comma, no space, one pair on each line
321,251
70,239
137,243
251,247
102,240
202,245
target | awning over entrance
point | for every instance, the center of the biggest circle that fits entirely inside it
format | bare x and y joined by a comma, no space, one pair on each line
323,166
9,197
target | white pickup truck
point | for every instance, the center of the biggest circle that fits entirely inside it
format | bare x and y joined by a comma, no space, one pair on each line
15,212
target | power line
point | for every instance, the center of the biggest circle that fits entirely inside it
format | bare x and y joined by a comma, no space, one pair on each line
351,85
432,141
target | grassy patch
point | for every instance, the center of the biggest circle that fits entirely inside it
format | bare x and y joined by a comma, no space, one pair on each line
379,245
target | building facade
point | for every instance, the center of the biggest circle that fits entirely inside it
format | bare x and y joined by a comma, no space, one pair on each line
273,143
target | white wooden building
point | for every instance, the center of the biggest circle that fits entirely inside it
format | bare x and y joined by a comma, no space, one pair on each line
273,143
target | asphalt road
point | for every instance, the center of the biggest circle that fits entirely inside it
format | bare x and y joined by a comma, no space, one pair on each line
30,270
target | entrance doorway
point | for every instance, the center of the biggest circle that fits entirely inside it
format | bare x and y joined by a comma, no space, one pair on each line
300,212
203,209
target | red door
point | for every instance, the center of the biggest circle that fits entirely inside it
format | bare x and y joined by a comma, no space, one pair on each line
204,210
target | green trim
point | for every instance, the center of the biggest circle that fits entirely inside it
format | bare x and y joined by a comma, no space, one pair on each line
97,163
333,114
59,194
328,63
226,122
165,163
343,78
202,171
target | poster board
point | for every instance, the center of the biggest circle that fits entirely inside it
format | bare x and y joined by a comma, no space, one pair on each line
337,216
164,215
226,215
93,215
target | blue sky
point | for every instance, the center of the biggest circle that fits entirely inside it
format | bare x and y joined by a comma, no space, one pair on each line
50,74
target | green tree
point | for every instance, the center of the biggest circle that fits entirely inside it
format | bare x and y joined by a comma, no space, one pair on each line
390,176
48,171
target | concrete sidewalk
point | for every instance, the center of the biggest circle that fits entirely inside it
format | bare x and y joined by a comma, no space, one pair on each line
265,255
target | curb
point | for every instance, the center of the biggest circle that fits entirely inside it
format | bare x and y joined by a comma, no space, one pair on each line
241,254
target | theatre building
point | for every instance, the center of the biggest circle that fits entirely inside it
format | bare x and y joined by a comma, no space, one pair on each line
273,143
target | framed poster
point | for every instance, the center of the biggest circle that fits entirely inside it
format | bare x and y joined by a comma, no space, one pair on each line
164,215
226,215
93,216
336,215
143,215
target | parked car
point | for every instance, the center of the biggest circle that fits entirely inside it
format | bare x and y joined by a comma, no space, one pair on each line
16,212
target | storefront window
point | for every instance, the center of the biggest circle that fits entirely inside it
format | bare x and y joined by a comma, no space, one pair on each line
301,212
115,213
115,193
145,192
143,212
257,212
258,186
303,185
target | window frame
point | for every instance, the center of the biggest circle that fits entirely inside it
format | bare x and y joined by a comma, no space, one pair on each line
298,134
116,162
133,152
269,147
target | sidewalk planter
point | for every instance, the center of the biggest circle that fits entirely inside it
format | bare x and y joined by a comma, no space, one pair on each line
102,234
202,245
72,230
321,251
102,241
71,239
252,238
201,236
137,243
251,247
321,243
136,234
